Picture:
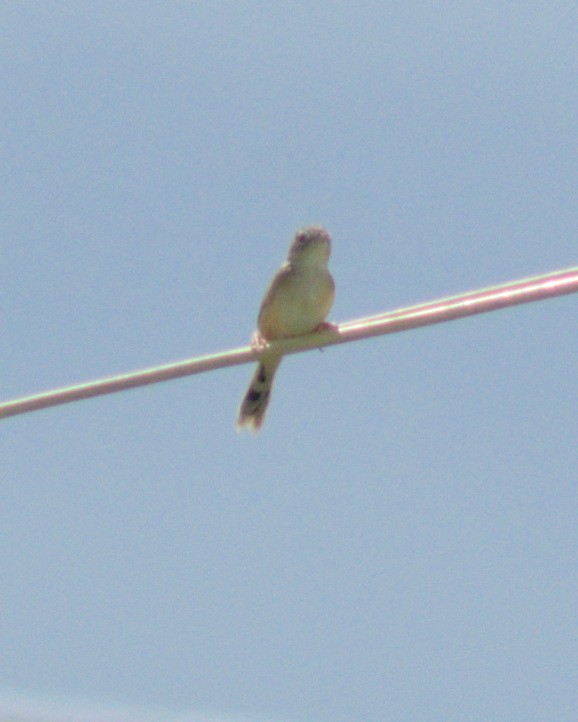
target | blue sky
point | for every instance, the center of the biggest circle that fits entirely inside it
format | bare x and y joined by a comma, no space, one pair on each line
400,541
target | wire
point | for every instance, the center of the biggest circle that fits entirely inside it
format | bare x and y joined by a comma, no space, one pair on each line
550,285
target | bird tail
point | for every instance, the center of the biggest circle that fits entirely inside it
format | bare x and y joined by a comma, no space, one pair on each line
255,402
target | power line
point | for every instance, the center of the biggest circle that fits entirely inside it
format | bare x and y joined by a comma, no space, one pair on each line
538,288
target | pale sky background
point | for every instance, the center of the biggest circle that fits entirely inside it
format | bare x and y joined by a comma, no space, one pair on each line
401,540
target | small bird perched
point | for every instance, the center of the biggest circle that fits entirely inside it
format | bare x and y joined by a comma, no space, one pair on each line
295,303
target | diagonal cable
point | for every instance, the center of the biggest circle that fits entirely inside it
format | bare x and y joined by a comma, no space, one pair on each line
538,288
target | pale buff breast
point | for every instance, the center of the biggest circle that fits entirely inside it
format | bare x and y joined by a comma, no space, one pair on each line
299,303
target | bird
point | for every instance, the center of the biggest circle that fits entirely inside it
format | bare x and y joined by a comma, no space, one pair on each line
296,302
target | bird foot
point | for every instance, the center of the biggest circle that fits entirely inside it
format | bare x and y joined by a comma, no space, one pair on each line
327,326
258,342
